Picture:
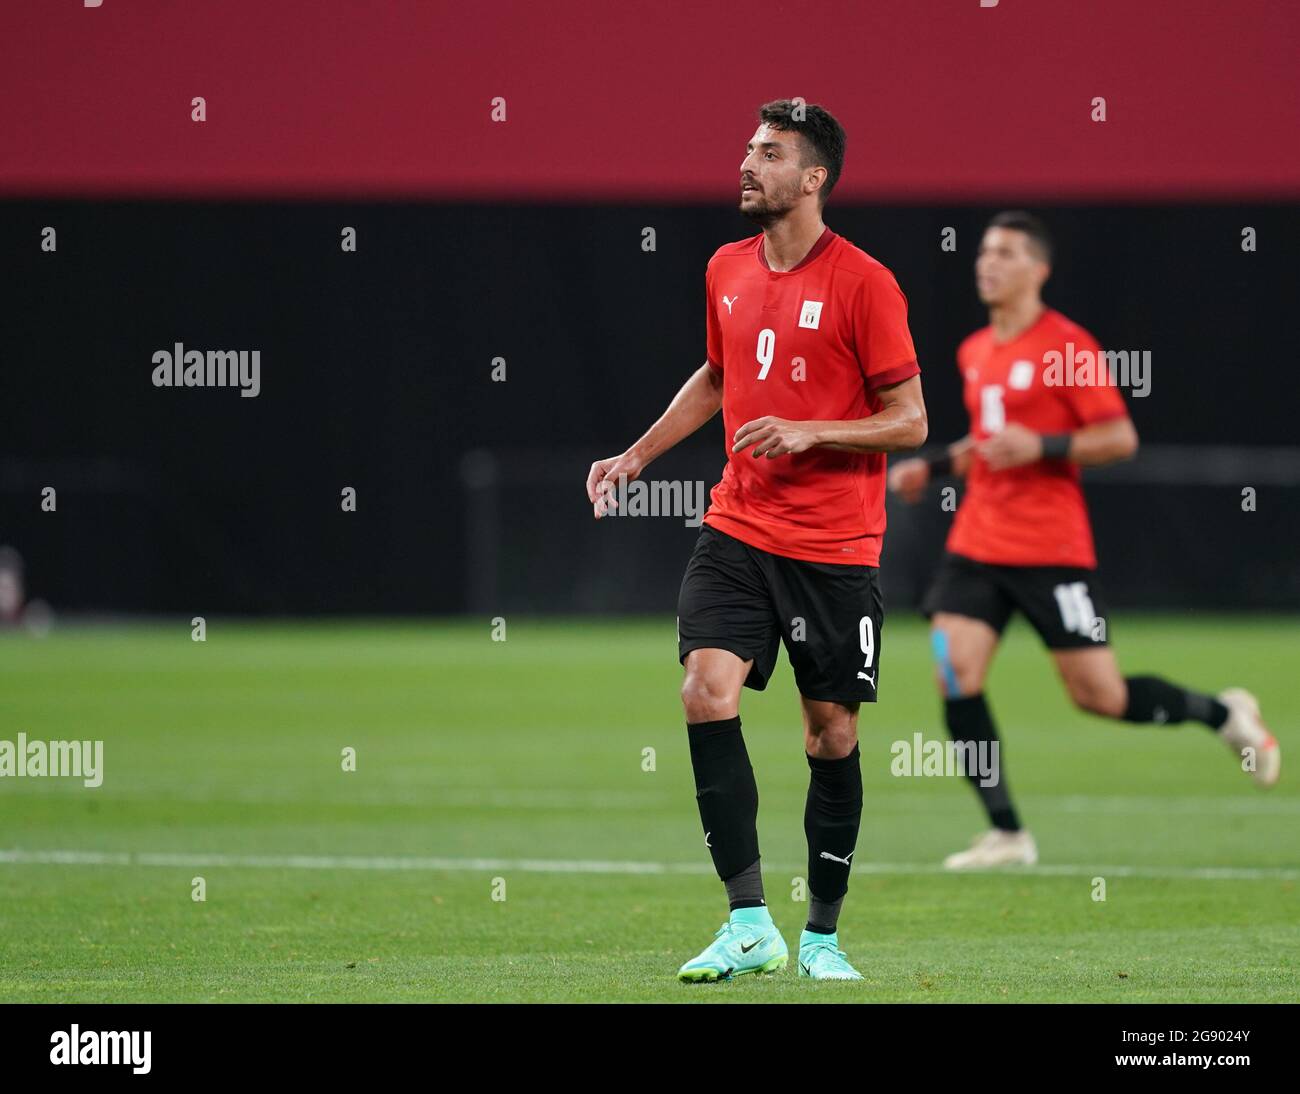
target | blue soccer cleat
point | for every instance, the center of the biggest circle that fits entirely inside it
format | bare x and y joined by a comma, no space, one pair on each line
820,958
747,942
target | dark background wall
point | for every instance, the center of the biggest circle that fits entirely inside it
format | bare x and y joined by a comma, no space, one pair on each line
376,374
484,234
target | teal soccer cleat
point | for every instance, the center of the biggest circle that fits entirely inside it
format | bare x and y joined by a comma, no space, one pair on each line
820,958
747,942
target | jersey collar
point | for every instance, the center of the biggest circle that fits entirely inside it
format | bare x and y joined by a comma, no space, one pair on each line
823,241
1042,318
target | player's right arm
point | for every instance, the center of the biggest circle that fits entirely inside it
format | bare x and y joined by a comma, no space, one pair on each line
909,478
696,402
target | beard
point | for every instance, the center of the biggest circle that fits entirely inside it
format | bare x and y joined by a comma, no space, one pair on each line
767,209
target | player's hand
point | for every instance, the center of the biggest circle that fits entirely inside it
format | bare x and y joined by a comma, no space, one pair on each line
961,453
603,478
909,478
1014,446
772,437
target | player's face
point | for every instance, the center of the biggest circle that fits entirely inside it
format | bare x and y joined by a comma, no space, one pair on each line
771,178
1007,267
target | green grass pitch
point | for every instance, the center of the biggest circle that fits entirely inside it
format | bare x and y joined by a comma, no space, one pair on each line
523,761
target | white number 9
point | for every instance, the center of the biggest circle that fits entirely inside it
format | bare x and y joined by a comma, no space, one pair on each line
867,636
766,347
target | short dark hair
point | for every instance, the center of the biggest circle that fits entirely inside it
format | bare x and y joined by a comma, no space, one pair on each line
1020,221
823,137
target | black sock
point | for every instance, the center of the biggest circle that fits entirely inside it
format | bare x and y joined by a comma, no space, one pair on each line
745,890
1151,699
830,821
969,719
823,915
726,793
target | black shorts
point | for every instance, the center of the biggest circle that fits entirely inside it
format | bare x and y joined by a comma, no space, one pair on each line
738,598
1062,603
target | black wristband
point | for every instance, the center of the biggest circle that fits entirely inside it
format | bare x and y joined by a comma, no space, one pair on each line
940,464
1056,446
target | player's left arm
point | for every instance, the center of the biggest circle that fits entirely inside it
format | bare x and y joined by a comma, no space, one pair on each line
1091,446
899,424
1104,432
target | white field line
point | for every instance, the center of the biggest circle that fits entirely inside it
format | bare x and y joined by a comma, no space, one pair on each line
435,797
596,866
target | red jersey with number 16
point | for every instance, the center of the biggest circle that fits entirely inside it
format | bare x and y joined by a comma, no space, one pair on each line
1033,515
808,344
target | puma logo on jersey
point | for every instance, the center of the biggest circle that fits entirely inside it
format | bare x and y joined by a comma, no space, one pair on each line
869,679
836,858
729,300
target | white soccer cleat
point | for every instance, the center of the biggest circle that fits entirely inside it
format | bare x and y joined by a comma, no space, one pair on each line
1248,737
996,847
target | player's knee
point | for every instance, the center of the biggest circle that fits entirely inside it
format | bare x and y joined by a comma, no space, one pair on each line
956,673
831,740
1096,697
835,725
706,699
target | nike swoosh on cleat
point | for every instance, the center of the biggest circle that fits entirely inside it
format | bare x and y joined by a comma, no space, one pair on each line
746,949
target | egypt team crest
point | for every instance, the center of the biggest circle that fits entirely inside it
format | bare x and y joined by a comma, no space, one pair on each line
810,315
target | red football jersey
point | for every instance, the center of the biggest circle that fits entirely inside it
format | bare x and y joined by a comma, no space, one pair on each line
808,344
1033,515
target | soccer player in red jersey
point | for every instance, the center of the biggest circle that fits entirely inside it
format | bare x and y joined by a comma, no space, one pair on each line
1042,403
812,363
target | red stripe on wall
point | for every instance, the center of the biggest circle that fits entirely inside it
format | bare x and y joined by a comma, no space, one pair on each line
646,102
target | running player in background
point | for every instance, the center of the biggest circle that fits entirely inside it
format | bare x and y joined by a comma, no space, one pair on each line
1021,538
